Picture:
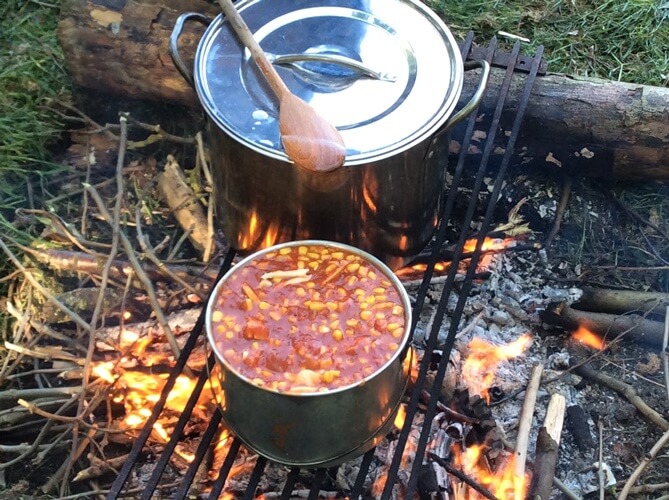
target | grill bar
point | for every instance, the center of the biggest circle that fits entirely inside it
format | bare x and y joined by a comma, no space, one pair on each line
202,449
179,367
485,226
317,478
412,407
178,431
229,461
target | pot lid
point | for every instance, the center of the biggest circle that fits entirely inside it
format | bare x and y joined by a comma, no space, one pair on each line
386,73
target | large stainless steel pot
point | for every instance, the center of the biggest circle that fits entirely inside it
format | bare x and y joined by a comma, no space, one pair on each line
387,73
318,429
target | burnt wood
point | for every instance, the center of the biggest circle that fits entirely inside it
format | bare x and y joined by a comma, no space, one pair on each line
597,128
632,327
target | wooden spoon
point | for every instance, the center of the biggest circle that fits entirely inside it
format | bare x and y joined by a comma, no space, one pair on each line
309,140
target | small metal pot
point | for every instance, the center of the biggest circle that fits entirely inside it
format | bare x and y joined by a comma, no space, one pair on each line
387,74
316,429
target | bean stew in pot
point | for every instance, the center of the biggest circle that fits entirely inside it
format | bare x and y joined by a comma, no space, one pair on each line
307,319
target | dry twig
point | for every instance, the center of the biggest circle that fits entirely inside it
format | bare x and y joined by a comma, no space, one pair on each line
141,275
148,251
525,422
81,410
643,464
46,293
665,351
559,213
625,390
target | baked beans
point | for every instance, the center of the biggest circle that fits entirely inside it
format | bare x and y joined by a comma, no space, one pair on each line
307,318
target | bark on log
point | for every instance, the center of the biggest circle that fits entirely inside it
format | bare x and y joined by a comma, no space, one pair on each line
588,127
607,326
622,301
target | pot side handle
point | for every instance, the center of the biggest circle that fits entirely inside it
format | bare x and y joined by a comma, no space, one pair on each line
174,42
476,98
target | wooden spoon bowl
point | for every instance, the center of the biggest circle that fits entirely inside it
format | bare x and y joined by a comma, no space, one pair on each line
309,140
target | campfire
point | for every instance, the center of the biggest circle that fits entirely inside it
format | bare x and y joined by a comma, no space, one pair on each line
116,390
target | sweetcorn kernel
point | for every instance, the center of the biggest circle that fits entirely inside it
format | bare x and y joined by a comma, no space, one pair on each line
329,376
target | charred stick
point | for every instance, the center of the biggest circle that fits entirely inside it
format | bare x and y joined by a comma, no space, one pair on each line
84,302
447,253
621,301
609,326
623,389
52,392
525,422
559,213
43,329
547,446
38,440
426,396
462,477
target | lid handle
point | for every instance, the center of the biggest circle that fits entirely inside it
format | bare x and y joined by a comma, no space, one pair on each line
358,67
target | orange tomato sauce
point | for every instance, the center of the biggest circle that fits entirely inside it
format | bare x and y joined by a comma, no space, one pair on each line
307,319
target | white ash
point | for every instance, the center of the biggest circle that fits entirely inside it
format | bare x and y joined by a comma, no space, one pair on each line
499,310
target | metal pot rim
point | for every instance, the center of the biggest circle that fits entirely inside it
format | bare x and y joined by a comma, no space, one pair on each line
395,117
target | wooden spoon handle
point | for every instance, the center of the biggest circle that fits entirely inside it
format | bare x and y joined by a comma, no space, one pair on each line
244,33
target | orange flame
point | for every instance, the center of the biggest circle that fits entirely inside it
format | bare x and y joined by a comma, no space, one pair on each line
585,336
416,271
489,244
478,371
503,482
400,417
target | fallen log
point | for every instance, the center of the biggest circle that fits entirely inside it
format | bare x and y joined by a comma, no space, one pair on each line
596,128
621,301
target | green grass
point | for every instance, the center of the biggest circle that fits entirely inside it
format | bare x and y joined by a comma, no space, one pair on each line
611,39
31,73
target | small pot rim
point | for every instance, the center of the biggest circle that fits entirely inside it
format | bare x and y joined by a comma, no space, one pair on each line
401,351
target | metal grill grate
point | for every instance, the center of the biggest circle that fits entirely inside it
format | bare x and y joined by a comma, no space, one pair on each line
514,64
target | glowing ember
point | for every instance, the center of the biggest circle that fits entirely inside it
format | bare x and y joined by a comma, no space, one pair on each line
502,482
479,368
585,336
416,271
489,244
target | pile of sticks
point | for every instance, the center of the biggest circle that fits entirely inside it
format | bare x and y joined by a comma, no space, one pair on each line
54,403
